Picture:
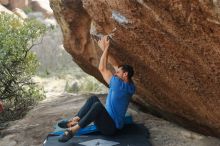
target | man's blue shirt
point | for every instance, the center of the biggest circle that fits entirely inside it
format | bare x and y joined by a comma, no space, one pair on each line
118,99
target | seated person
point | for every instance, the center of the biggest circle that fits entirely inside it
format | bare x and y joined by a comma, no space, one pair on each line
107,118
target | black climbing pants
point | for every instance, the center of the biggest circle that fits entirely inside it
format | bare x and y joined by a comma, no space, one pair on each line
94,111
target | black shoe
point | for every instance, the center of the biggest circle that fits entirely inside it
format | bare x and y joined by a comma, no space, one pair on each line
68,134
63,124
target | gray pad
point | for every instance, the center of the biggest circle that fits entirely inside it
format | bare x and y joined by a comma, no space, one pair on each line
130,135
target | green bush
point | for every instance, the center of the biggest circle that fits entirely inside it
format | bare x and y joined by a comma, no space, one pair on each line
18,64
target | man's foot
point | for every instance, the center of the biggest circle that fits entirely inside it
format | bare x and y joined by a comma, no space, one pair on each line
66,124
70,123
63,124
68,134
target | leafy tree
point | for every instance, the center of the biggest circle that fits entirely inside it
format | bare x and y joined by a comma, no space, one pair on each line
17,65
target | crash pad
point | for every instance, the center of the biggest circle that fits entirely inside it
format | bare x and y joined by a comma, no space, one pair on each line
130,135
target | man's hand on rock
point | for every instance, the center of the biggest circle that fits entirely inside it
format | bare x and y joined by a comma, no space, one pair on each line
104,43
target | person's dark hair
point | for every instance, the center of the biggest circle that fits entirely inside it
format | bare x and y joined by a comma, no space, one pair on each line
127,68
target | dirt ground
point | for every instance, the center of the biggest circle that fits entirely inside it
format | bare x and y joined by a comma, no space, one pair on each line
33,128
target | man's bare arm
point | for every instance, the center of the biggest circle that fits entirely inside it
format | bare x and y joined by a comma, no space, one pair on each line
113,62
104,45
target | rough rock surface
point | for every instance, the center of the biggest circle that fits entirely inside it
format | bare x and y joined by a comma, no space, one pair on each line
174,47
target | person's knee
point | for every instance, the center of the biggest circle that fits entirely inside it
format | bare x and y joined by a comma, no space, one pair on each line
98,106
94,98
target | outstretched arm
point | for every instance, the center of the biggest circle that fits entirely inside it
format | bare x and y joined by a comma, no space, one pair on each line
104,45
113,62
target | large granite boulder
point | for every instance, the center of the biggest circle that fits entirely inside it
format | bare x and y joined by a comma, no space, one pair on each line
174,47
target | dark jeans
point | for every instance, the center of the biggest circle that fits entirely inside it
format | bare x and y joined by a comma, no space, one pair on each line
94,111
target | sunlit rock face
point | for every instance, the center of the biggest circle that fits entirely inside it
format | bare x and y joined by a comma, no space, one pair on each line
5,10
20,13
174,47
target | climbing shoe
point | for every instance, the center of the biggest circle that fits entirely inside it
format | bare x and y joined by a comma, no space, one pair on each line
68,134
63,124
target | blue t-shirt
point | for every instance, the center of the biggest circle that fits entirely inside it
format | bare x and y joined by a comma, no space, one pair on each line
118,99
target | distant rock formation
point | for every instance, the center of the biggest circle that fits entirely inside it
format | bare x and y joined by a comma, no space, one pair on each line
174,47
4,9
4,2
21,4
16,6
20,13
42,6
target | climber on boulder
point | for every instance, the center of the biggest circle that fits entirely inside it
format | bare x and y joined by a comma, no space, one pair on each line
109,118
